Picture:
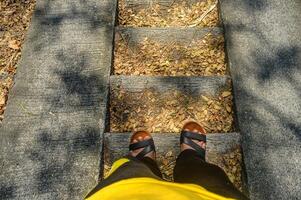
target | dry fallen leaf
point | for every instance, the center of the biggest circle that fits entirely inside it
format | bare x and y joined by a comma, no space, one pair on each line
2,100
14,44
228,108
226,93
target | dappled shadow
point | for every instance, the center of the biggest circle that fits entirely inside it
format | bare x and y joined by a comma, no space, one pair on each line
82,10
259,120
256,5
50,15
66,138
273,63
265,65
55,153
82,85
283,62
58,160
7,191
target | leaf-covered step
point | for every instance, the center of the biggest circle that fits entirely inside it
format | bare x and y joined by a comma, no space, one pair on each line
169,51
168,13
163,104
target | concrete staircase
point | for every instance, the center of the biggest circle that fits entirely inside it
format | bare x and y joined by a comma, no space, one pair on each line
220,144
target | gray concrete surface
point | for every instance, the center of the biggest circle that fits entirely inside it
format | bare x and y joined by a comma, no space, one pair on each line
192,86
135,35
52,131
264,49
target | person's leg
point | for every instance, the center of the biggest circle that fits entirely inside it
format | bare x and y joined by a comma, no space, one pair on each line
142,148
152,165
192,168
132,166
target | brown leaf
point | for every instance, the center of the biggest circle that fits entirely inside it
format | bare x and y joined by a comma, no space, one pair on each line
226,93
14,44
228,108
2,100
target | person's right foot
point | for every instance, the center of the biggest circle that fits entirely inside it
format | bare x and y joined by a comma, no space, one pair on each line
195,128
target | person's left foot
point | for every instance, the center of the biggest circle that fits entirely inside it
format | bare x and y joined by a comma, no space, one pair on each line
138,137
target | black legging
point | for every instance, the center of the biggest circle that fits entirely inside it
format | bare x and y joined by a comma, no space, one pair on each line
190,168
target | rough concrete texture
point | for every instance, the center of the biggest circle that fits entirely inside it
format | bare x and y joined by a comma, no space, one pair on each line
51,134
192,86
264,49
134,35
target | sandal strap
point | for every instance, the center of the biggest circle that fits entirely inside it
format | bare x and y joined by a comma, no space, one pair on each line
187,137
194,136
145,151
148,146
141,144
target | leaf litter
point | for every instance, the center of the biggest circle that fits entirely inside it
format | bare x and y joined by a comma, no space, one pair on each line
202,57
177,13
157,112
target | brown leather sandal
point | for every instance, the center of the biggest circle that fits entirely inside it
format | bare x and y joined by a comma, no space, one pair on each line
188,136
148,144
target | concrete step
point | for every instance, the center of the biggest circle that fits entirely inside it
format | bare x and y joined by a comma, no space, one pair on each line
192,85
169,51
133,10
143,3
163,104
182,35
223,149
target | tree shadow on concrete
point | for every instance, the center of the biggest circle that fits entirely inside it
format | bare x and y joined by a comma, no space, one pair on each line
274,63
84,87
50,15
7,191
266,80
58,172
57,154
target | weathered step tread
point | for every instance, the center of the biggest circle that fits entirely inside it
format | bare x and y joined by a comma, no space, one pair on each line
170,34
152,2
169,51
194,85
